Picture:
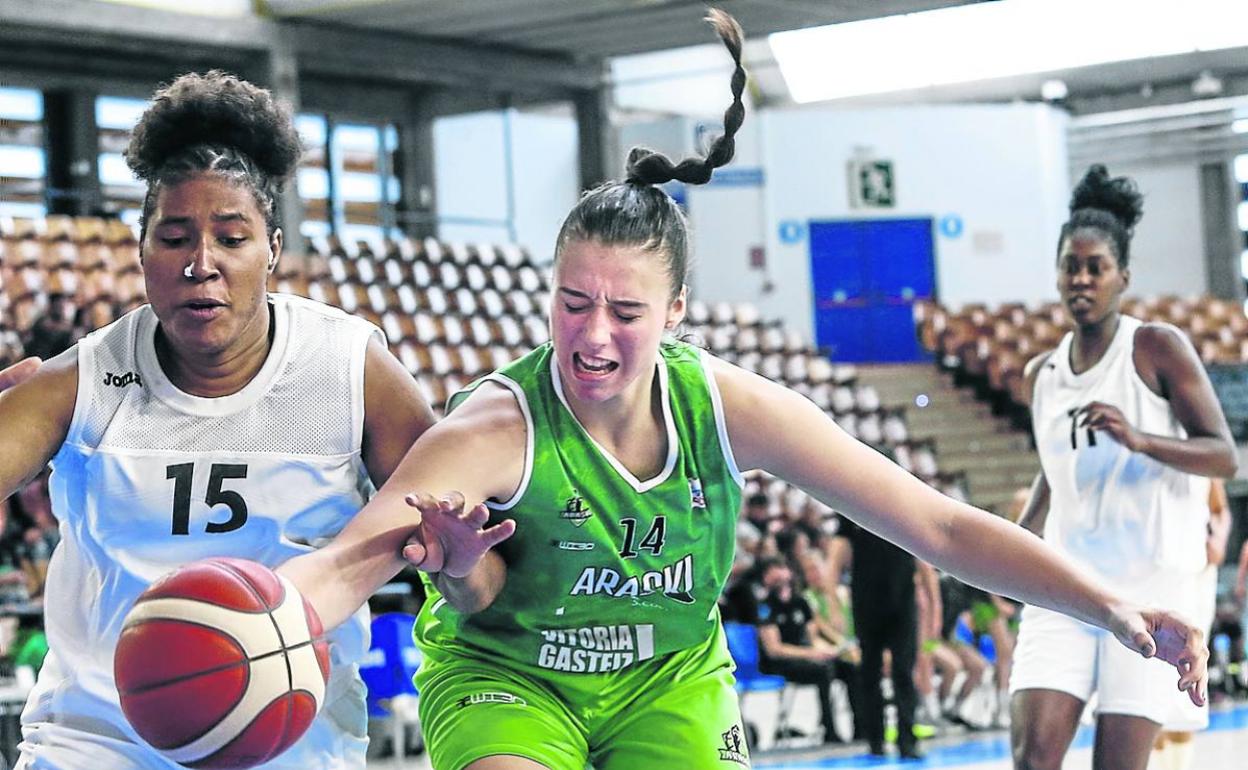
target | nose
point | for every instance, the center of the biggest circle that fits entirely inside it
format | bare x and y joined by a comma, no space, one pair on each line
598,327
203,264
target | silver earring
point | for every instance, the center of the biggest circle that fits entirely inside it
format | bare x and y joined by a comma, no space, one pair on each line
187,272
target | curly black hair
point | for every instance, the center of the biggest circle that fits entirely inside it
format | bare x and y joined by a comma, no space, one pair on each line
1110,206
215,122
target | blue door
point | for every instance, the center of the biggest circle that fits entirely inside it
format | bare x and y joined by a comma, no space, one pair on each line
867,275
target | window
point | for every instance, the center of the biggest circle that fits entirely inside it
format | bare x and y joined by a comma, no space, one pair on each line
23,165
346,178
122,194
1241,177
364,185
312,176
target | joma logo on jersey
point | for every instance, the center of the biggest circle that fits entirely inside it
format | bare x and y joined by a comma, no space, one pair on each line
675,581
122,380
575,511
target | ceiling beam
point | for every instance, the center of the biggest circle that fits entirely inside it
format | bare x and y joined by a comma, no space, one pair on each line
69,30
373,55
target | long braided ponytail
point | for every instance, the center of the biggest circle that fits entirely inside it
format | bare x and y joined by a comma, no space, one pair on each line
635,212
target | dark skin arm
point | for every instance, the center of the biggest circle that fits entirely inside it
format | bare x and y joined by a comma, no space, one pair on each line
35,413
1219,524
1169,366
395,412
18,372
1036,511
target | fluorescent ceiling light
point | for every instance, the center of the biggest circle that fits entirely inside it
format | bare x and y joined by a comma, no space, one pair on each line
1240,126
993,40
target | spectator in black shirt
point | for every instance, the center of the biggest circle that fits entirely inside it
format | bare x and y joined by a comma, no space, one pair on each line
789,646
885,617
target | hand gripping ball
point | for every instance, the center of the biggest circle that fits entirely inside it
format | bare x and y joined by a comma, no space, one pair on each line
221,664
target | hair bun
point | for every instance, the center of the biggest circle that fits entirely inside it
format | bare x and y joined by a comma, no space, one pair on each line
647,167
1119,196
215,109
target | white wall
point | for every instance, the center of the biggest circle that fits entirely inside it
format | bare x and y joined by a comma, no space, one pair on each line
547,179
1168,250
506,172
1001,169
726,217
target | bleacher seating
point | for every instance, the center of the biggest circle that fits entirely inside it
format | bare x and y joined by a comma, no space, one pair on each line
450,313
989,348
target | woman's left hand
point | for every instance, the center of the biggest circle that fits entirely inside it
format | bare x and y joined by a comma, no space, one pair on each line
1110,419
1167,636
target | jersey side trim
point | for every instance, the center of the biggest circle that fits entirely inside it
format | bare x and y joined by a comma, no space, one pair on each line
721,421
518,393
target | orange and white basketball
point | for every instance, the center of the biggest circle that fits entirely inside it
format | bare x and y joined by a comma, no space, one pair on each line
221,664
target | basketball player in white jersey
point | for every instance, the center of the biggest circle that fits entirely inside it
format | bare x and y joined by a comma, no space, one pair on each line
1126,424
218,420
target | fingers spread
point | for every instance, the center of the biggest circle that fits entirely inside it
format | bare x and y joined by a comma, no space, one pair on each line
478,515
498,533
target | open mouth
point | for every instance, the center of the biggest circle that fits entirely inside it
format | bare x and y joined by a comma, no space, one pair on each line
593,367
204,309
1080,302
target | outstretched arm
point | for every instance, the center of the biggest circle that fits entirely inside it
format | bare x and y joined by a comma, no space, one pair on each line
473,455
799,443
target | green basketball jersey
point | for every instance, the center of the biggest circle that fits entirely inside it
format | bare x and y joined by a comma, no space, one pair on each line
605,570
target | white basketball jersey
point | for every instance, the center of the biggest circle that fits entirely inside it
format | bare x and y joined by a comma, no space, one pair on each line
150,477
1121,513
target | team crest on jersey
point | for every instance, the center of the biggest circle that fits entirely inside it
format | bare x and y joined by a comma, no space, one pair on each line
696,495
733,749
574,510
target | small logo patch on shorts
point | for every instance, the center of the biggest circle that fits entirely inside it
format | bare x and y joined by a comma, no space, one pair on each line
490,697
733,749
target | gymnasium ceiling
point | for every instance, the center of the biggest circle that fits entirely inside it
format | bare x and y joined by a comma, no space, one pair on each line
583,29
586,30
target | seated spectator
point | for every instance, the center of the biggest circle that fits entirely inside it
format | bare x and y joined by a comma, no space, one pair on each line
758,514
53,332
832,622
958,600
789,646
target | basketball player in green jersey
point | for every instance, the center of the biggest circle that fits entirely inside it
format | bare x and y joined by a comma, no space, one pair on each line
572,616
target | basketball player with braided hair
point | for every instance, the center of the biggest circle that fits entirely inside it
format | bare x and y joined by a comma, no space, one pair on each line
216,420
575,517
1129,431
